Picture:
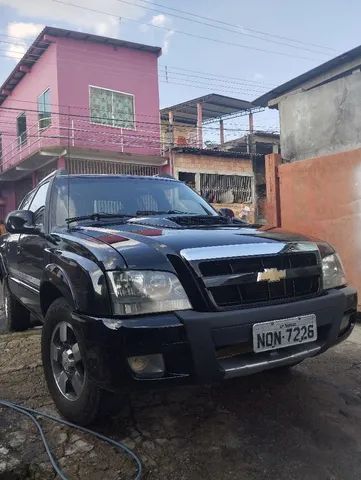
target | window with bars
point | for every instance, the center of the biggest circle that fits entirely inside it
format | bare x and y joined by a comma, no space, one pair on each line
217,188
44,109
112,108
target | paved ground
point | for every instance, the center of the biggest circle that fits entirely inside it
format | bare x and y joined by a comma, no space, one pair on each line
304,425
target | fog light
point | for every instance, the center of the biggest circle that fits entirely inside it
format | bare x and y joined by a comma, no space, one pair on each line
345,323
147,365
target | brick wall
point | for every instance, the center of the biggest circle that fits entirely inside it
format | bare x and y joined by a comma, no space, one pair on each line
186,162
194,163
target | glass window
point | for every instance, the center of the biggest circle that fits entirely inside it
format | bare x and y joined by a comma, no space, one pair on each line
124,195
38,204
21,129
44,109
24,204
108,107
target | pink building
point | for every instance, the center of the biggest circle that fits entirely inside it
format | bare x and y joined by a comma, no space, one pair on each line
79,101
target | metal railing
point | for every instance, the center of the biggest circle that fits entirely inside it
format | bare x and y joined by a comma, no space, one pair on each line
76,132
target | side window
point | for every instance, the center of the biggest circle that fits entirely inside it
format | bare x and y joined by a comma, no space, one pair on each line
44,109
24,204
38,203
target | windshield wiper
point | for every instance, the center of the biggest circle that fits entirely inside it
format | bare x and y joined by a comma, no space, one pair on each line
163,212
97,217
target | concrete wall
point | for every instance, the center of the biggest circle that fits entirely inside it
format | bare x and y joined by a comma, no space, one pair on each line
321,197
194,163
321,121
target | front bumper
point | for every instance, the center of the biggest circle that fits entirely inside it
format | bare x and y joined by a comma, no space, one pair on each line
205,347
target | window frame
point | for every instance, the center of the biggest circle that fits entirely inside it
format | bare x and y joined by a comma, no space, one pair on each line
41,129
29,196
106,124
25,141
41,185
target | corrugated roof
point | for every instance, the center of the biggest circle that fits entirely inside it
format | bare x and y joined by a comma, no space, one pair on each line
41,43
214,106
344,58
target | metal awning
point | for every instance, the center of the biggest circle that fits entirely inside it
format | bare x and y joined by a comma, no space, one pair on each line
213,106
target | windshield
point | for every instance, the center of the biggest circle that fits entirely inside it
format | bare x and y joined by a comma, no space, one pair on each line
124,196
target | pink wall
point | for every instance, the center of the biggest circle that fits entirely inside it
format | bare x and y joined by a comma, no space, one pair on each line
83,63
43,75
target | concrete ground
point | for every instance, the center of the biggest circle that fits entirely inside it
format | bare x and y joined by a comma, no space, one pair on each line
302,425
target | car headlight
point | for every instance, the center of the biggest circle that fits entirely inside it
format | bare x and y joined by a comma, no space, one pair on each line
135,292
332,270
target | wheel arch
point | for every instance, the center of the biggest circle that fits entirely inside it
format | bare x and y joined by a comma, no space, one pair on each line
55,284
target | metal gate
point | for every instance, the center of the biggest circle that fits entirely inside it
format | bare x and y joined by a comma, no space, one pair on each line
77,166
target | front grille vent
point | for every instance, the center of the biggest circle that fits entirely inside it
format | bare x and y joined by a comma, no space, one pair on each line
236,281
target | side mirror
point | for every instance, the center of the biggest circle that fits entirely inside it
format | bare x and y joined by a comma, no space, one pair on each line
21,221
226,212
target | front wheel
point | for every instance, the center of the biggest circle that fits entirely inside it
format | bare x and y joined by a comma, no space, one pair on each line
76,397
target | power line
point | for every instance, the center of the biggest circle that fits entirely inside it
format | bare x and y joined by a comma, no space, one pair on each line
237,79
218,75
189,80
223,28
192,35
211,81
240,27
82,116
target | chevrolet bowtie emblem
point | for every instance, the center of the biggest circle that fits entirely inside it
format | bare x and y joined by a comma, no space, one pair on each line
271,275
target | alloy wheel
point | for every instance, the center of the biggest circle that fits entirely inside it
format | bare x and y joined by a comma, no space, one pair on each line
66,361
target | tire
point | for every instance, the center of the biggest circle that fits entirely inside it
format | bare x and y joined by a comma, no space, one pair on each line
76,397
16,317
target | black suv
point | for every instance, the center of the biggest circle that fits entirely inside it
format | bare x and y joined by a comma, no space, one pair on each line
139,281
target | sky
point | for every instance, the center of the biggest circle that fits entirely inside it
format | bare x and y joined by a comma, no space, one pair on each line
242,49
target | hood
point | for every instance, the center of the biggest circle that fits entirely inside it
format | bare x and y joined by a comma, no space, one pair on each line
146,243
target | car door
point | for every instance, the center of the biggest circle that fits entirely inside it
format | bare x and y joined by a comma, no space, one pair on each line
32,251
11,253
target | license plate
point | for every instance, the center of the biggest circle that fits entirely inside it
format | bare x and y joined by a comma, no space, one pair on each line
284,333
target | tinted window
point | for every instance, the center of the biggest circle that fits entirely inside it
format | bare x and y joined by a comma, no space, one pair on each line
124,195
38,203
24,205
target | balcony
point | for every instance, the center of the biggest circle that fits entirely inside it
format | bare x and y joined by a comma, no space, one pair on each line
77,138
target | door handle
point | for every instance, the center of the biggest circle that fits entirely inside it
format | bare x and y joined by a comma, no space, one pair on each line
19,249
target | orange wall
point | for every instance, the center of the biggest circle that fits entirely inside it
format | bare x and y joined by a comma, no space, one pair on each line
322,197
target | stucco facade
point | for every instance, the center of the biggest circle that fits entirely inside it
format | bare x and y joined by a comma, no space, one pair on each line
70,66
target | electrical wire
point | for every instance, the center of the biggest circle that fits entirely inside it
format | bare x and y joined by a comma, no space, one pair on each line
223,28
167,69
240,27
32,414
182,32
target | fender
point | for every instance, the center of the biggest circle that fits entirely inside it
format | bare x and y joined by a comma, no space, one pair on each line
57,277
80,280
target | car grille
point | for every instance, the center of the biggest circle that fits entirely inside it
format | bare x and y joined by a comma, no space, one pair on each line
237,281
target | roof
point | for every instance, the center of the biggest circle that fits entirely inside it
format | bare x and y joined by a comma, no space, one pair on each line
42,42
216,153
338,61
214,106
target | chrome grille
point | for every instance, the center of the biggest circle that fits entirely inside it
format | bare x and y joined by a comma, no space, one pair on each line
237,281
